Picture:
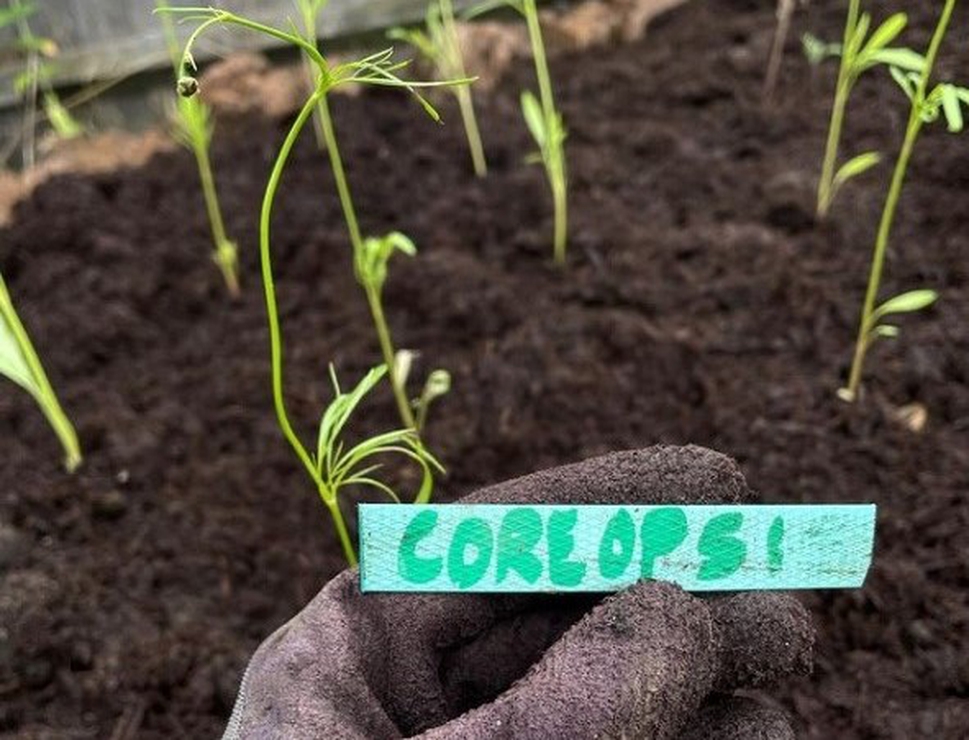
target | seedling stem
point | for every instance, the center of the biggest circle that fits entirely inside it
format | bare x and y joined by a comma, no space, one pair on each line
194,130
841,95
555,164
917,118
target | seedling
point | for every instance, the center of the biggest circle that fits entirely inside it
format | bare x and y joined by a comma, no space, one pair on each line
438,42
438,384
35,81
20,363
859,52
927,106
334,468
330,470
378,70
194,129
544,121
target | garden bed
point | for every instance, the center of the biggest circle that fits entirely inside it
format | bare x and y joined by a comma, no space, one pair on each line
702,304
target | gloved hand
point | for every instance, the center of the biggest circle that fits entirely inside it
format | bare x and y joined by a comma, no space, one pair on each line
649,662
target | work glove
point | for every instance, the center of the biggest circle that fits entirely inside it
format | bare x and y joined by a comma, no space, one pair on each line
651,661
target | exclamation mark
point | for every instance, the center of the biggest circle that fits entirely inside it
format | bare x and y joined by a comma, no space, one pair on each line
775,538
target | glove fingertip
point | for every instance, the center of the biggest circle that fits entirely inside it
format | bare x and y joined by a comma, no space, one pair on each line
763,636
737,718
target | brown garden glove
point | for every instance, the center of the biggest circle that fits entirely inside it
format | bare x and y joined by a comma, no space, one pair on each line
649,662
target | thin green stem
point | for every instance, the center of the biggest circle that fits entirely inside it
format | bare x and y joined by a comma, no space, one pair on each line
223,16
47,398
375,302
456,69
356,239
225,254
552,155
541,60
914,128
340,176
841,95
341,529
476,146
272,310
310,29
327,494
560,198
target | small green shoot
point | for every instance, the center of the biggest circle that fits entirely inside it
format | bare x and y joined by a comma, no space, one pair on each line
378,69
437,385
35,81
336,468
859,52
370,256
20,363
927,106
438,42
543,119
193,130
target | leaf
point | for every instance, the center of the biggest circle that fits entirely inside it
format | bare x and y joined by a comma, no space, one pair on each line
905,59
438,384
12,362
886,331
376,253
815,50
534,118
339,411
854,167
886,33
904,81
403,362
858,38
64,124
914,300
952,107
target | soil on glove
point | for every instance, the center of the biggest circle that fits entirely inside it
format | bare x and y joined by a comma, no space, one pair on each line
702,303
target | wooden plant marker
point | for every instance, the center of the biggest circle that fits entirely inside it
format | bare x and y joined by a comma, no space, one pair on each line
484,548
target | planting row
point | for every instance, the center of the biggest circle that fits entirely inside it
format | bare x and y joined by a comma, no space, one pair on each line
333,465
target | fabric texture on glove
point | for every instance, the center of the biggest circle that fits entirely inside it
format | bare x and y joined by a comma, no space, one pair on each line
648,662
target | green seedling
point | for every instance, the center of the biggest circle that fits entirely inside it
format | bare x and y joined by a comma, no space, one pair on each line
193,130
371,270
928,104
438,42
35,81
20,363
336,468
543,119
378,70
437,385
370,261
859,52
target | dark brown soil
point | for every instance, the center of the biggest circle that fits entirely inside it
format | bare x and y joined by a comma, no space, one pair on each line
701,304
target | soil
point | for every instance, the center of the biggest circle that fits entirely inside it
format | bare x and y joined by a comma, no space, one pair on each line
702,303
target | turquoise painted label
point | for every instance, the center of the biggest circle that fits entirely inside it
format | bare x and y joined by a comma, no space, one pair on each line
484,548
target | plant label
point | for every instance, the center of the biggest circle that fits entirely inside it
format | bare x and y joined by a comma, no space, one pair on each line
483,548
